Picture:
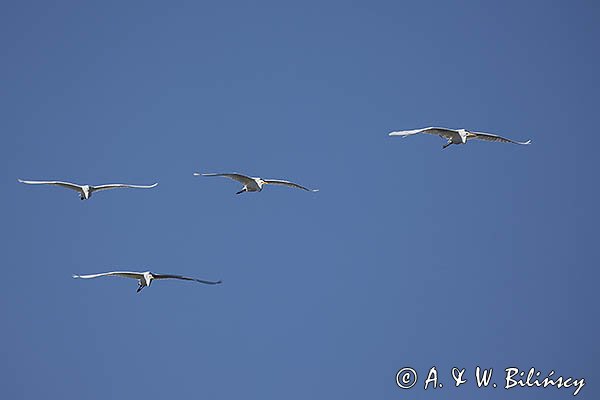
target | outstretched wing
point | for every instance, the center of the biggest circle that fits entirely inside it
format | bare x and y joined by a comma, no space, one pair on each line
493,138
288,183
243,179
185,278
432,130
66,185
123,274
121,185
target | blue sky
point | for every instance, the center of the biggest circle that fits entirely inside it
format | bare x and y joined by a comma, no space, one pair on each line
483,254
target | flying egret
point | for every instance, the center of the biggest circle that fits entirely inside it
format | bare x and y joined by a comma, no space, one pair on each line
256,184
457,136
144,278
85,191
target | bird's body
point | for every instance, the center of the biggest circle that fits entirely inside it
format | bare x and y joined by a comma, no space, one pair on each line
457,136
255,184
144,278
85,191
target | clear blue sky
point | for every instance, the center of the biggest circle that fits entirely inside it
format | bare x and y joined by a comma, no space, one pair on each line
483,254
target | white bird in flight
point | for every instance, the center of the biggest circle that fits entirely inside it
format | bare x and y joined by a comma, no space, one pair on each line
256,184
85,191
457,136
144,278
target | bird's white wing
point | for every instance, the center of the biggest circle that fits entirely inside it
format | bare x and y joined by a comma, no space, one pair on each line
123,274
444,132
185,278
288,183
492,138
67,185
243,179
121,185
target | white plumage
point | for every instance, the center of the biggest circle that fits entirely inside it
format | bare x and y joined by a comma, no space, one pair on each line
144,278
457,136
252,184
85,191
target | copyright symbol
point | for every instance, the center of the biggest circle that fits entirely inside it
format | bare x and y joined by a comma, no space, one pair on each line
406,378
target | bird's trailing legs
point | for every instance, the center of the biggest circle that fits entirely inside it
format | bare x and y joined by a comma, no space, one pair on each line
140,287
446,145
242,191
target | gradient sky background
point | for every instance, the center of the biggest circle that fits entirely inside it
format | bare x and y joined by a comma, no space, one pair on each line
484,254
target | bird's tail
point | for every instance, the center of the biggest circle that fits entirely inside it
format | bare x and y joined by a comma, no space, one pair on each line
76,276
